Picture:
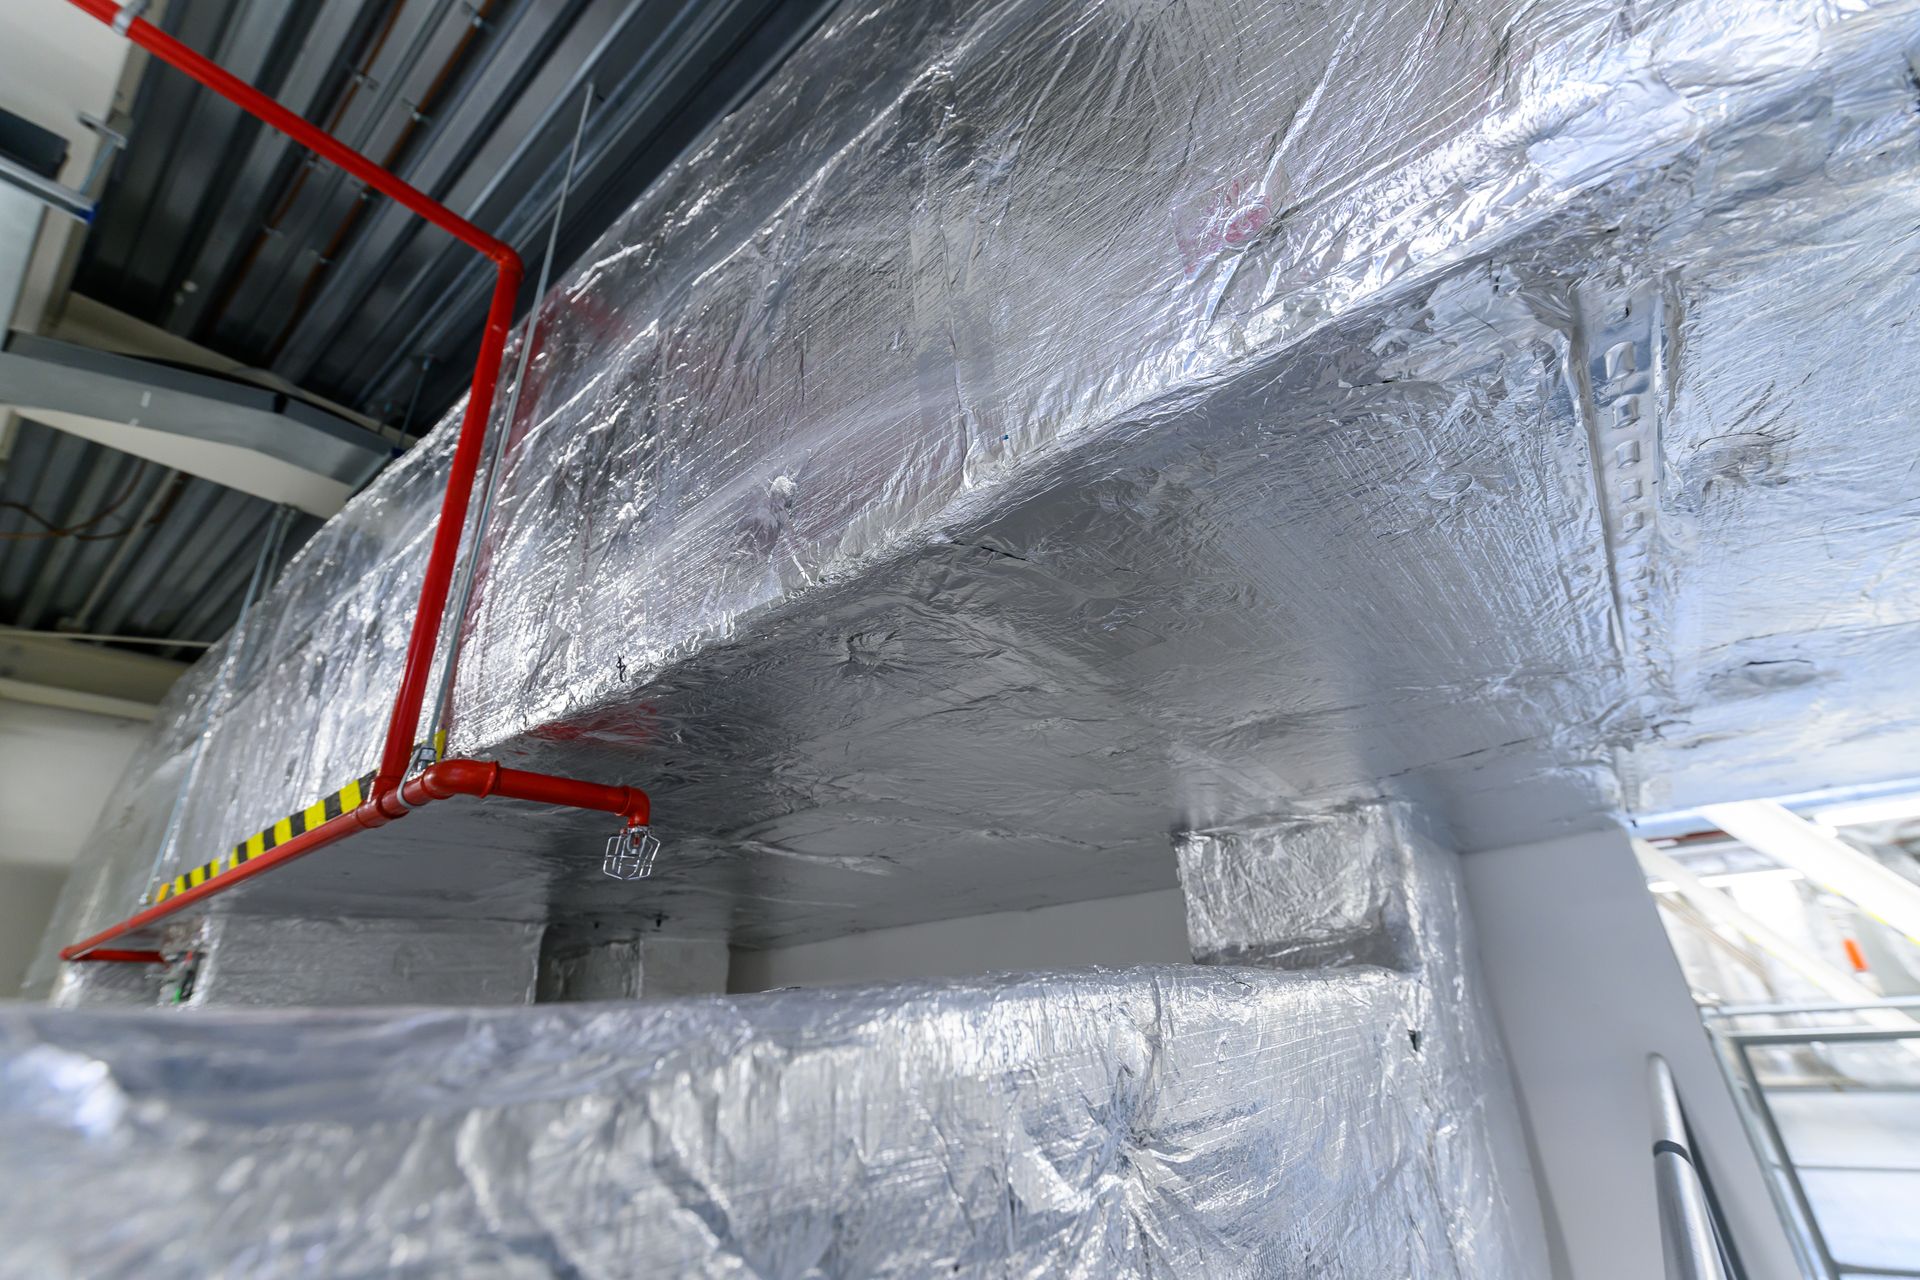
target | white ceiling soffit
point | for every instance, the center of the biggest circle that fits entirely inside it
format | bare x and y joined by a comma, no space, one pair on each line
57,672
232,465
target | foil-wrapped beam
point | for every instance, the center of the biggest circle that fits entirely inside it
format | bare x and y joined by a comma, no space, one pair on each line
591,963
1171,1121
283,960
1305,893
1370,885
290,960
1027,428
1156,1122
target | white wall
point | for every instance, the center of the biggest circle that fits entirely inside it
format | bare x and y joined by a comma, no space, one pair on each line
27,895
1147,928
56,768
1585,986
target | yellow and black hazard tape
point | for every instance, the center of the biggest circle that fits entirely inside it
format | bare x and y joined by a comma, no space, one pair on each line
345,800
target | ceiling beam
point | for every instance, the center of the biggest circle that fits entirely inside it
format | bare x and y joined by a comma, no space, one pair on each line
99,704
250,438
58,672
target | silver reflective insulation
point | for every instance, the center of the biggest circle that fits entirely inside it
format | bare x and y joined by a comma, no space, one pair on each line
287,960
1372,885
1177,1121
1164,1123
1024,429
1301,894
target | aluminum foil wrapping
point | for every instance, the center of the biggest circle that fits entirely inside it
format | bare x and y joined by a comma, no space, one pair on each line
1370,884
588,964
1306,893
1352,1121
1154,1122
1026,428
955,245
318,963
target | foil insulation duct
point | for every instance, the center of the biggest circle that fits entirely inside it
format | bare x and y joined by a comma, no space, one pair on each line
1073,1124
1366,886
1024,429
293,961
1176,1121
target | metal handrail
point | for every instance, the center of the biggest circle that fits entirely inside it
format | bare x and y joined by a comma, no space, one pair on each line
1823,1006
1690,1233
1823,1035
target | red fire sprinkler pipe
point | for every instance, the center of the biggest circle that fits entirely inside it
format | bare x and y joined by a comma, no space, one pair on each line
483,778
393,793
442,781
108,955
445,552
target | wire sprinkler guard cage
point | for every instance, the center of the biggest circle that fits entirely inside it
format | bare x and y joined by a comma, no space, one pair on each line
630,854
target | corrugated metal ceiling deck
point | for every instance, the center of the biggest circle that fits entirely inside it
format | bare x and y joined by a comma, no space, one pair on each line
221,231
152,552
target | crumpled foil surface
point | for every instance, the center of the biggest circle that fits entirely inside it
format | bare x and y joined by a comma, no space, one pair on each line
1026,429
1176,1121
288,960
1300,894
1372,885
1156,1122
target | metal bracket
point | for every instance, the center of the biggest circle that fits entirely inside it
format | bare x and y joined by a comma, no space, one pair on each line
123,20
54,195
112,142
76,202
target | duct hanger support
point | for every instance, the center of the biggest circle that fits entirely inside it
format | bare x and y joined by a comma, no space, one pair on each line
435,746
393,792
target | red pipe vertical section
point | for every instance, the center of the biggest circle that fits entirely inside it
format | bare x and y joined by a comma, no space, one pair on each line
445,551
446,536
